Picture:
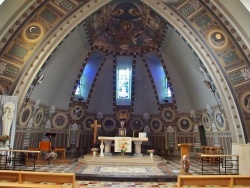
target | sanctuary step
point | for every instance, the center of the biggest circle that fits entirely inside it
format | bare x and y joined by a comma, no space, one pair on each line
126,160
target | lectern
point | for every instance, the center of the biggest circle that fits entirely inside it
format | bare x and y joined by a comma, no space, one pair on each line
185,160
184,148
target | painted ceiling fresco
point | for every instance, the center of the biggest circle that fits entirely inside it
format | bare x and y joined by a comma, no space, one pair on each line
125,27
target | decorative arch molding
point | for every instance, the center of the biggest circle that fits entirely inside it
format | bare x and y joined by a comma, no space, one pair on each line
44,49
211,63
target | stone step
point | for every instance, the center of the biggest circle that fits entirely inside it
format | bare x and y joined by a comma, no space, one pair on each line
123,160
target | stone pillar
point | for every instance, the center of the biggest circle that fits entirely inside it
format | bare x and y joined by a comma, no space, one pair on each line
138,148
107,147
243,151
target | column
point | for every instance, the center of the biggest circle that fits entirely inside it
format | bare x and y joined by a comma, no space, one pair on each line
107,147
138,148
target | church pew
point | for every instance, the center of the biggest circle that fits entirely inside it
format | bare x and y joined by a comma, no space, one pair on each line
220,180
7,175
22,177
17,185
37,177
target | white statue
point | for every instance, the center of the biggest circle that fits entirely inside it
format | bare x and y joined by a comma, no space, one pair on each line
8,113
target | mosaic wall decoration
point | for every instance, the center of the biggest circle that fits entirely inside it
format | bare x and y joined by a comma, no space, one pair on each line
217,36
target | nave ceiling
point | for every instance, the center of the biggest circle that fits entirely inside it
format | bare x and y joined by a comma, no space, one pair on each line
184,38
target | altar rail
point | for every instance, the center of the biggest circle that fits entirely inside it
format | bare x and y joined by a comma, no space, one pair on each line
223,164
16,159
20,177
219,180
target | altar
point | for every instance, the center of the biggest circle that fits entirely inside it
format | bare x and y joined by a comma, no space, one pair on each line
106,143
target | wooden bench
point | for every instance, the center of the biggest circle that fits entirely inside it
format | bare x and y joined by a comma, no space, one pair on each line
219,180
17,185
22,177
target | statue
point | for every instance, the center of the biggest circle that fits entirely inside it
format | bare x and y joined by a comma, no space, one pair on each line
8,112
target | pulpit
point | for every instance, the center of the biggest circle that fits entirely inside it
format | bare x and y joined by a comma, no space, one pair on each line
44,146
185,160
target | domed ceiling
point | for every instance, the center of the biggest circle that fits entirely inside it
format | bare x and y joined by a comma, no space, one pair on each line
124,34
125,27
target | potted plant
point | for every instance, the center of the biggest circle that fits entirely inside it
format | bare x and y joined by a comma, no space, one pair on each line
94,150
151,152
4,139
51,156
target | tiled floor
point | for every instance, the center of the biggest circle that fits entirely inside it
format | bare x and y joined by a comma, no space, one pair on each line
171,169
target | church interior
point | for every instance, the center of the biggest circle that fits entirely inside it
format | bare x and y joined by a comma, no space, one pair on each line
170,75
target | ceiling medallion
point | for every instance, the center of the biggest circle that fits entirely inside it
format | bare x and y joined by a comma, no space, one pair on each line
245,101
217,38
33,32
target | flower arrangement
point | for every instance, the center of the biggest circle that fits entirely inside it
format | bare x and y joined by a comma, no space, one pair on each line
151,151
51,156
4,138
95,149
123,147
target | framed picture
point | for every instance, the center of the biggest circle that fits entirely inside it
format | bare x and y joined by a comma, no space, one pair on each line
143,135
122,132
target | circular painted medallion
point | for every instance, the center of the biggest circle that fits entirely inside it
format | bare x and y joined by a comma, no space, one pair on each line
60,120
76,112
245,101
123,115
168,115
185,124
220,121
38,118
217,38
108,124
206,122
25,115
155,124
33,32
87,122
136,124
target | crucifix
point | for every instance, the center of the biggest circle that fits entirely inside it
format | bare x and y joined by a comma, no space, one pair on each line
95,126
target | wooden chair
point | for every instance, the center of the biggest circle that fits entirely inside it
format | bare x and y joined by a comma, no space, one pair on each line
44,146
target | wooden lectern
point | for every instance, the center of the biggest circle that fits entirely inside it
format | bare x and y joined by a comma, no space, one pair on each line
184,148
184,151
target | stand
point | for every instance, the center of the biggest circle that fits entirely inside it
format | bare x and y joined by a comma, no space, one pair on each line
184,151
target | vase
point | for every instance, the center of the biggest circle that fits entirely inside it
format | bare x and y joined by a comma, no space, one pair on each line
122,153
3,144
94,153
151,155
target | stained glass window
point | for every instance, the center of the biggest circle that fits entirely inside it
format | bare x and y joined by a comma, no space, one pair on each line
123,84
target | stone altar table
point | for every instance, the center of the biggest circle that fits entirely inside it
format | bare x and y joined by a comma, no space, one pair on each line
108,141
